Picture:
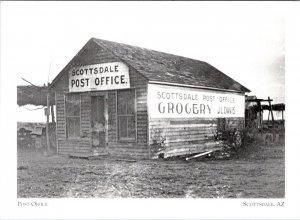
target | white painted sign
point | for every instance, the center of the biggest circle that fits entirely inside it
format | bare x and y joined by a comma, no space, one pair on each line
179,102
104,76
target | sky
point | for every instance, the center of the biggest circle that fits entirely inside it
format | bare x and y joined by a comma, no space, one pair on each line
246,41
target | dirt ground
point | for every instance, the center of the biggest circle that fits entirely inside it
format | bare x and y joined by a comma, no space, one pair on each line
258,173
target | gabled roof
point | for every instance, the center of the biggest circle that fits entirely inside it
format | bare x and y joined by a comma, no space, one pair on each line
167,68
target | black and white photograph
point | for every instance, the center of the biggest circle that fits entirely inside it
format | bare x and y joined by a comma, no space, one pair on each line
130,109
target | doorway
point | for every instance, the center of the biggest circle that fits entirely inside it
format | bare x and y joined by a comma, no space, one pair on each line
98,123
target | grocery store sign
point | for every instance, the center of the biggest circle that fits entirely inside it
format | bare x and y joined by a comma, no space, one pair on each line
179,102
105,76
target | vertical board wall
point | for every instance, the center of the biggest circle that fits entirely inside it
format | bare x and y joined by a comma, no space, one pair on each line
93,54
139,147
186,136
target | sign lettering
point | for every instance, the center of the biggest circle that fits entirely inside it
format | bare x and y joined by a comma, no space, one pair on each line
178,102
105,76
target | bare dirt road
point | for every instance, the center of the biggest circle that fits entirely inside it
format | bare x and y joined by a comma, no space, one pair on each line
258,173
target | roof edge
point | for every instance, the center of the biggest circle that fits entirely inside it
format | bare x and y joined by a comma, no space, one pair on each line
243,88
60,74
95,40
102,45
193,86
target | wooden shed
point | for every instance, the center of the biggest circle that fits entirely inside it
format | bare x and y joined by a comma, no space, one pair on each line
126,101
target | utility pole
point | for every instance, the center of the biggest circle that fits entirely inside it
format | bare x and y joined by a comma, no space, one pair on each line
52,114
47,124
47,112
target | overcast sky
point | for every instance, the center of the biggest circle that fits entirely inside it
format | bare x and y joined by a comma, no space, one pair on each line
245,40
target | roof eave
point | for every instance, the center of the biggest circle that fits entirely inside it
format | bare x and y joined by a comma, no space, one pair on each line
199,87
61,73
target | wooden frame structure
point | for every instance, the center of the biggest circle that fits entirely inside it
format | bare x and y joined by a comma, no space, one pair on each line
259,108
147,69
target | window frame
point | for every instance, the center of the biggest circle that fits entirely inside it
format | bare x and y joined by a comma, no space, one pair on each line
66,117
134,115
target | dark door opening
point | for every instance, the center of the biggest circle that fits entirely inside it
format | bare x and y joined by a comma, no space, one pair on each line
98,122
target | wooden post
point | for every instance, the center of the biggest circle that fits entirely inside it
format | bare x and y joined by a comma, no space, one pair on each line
47,124
52,114
260,110
269,117
273,124
282,117
271,109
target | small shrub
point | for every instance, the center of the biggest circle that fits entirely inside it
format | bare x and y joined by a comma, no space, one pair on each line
239,141
158,144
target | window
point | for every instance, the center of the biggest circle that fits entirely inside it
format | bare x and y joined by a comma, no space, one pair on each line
126,115
73,115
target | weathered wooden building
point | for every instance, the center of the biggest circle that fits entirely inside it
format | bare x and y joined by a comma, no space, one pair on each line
127,101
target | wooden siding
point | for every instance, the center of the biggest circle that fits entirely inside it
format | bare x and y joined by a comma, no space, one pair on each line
60,116
82,145
74,146
85,116
181,135
186,136
139,147
237,123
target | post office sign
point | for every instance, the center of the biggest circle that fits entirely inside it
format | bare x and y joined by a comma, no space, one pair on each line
99,77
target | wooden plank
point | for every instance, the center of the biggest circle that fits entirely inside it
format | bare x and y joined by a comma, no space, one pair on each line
178,120
196,128
199,155
191,149
184,142
192,122
174,138
185,151
188,132
182,122
60,117
61,135
189,146
185,125
167,131
129,150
